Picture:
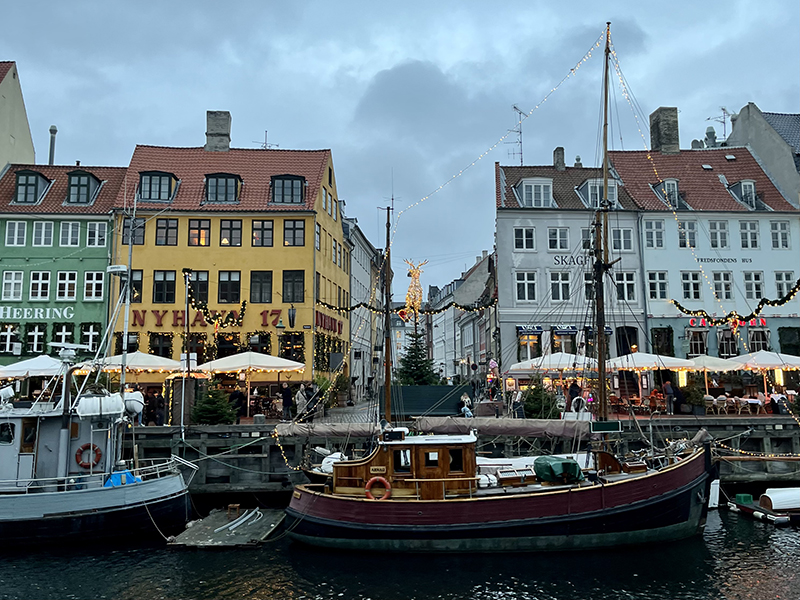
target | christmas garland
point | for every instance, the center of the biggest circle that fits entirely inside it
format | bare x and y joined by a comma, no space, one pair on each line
213,317
733,316
397,311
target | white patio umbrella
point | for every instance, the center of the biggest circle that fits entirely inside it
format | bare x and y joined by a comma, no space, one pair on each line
764,360
557,361
707,363
643,361
40,366
139,361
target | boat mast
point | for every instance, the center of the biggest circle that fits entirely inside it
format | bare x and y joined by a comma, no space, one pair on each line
129,280
387,321
601,249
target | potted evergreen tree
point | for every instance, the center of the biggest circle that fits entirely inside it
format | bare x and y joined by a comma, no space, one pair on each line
213,407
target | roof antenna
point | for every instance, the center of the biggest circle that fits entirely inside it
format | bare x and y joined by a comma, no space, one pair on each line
266,145
522,115
723,119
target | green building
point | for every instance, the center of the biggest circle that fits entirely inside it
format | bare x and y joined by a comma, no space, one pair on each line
56,230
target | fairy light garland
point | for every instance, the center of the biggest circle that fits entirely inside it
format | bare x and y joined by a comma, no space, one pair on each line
213,317
470,308
283,452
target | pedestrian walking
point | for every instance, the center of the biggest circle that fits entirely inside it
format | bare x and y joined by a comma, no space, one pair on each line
286,401
301,400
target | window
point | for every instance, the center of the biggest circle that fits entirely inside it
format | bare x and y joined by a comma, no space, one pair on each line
559,287
562,342
199,281
588,286
402,461
324,199
317,282
294,233
12,285
96,234
333,251
27,188
221,188
687,234
526,286
35,337
753,285
43,233
622,240
138,231
70,233
317,236
230,232
749,194
136,285
784,281
229,287
163,287
530,346
79,188
523,238
749,233
698,343
728,344
671,192
155,186
339,253
718,234
93,282
657,285
40,285
199,232
432,458
288,189
587,239
67,285
90,335
161,345
758,339
335,207
262,233
456,460
166,232
723,285
558,238
654,234
260,343
15,233
780,234
690,281
537,194
293,290
7,337
596,193
626,286
662,341
260,287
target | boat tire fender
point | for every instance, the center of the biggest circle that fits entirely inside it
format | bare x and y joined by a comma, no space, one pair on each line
96,455
387,487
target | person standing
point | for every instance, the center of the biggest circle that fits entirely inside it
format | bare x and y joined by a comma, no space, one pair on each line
286,401
669,394
237,399
574,392
161,409
301,400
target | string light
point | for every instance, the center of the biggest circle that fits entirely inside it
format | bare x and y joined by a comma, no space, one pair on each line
212,317
283,452
470,308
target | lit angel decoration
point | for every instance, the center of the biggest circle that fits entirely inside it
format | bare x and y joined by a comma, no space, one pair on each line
414,293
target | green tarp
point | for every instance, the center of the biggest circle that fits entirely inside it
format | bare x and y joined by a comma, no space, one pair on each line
557,470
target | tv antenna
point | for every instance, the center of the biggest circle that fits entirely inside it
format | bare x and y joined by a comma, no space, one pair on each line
521,116
723,119
265,145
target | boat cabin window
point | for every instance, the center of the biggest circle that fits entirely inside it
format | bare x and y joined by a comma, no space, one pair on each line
402,461
28,435
456,460
6,433
74,431
432,459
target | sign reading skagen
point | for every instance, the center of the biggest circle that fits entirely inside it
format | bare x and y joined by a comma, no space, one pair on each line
567,260
36,314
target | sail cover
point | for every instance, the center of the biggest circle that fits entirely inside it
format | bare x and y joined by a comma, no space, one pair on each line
491,426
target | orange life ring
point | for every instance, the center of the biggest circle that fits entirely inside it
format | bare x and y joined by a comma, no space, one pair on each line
387,487
98,454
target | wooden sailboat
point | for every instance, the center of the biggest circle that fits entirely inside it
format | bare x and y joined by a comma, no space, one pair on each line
431,493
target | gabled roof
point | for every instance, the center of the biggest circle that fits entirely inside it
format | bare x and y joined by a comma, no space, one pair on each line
787,126
5,67
255,167
701,188
53,202
564,184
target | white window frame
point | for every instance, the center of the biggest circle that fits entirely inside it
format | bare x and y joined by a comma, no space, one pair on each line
16,233
749,235
749,190
654,233
698,342
671,192
537,193
595,187
46,237
753,285
528,234
526,279
587,238
12,285
784,280
691,285
96,230
93,286
780,234
723,285
72,229
727,343
718,235
625,282
561,239
559,286
658,285
588,286
758,339
687,234
622,239
70,280
39,280
37,333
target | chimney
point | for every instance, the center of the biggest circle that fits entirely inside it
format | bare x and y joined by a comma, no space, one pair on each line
664,130
484,254
218,131
558,159
578,162
53,132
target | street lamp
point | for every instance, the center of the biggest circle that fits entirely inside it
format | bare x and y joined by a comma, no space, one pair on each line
292,316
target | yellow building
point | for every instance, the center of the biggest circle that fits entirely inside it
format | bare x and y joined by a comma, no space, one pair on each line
260,231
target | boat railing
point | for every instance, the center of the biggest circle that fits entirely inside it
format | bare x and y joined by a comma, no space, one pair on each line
444,481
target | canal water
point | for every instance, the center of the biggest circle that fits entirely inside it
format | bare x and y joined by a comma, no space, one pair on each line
735,559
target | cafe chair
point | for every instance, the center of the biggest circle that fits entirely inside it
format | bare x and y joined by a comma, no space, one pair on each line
744,405
721,405
709,402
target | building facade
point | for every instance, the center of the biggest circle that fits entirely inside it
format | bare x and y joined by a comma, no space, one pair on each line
55,225
258,234
16,143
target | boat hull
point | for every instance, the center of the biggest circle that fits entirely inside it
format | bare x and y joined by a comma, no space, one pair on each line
142,510
665,506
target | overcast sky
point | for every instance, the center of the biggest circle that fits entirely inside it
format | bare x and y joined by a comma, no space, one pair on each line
405,94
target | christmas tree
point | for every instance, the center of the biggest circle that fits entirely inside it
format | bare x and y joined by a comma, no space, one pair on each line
213,408
415,367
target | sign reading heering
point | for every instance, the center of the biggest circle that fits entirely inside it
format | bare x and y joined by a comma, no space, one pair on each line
35,314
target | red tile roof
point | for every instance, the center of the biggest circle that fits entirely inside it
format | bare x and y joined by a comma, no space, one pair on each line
701,188
54,199
254,166
5,67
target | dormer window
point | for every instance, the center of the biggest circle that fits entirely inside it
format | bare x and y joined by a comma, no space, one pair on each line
592,193
222,187
30,187
667,190
288,189
537,193
156,186
749,194
82,187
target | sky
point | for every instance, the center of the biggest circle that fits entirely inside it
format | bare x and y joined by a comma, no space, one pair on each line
414,99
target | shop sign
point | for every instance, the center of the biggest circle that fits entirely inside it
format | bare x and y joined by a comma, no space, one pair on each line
759,322
327,323
8,313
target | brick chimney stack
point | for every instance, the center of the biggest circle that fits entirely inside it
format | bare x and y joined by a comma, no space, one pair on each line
664,136
558,159
218,131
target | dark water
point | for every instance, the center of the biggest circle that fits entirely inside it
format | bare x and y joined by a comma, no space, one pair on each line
735,559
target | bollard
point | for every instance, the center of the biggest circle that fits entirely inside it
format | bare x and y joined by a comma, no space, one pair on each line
259,419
